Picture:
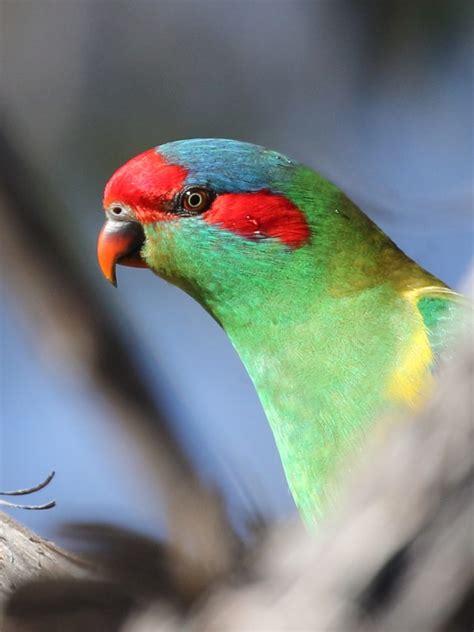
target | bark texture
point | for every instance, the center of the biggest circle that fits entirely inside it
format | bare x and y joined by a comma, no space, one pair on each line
24,556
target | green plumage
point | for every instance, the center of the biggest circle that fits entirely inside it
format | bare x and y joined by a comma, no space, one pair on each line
335,334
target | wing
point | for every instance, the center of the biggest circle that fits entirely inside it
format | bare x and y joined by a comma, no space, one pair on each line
444,314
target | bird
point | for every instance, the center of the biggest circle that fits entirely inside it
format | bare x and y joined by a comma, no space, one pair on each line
338,329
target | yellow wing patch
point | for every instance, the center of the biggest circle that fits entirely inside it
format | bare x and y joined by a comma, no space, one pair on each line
411,381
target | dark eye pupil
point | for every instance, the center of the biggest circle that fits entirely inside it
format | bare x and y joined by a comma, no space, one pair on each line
116,210
195,199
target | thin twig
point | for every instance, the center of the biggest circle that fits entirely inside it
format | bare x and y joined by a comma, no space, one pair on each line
48,505
31,490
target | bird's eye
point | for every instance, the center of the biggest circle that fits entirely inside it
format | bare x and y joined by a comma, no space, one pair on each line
196,200
119,212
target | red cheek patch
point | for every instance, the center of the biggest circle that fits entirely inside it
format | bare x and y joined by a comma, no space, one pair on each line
145,183
258,215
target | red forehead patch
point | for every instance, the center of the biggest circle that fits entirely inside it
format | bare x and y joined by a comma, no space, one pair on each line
144,183
258,215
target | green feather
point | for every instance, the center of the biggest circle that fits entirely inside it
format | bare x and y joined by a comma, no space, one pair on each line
443,314
323,330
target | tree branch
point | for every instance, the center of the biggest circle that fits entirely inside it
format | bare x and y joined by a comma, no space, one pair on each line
25,556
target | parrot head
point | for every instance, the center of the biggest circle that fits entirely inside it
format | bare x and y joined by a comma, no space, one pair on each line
202,213
231,223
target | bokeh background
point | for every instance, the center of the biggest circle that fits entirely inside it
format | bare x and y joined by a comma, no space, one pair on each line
376,95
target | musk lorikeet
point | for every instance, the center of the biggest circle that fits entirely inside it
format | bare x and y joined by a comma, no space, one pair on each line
336,325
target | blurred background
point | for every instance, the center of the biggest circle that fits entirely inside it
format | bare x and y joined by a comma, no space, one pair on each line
376,95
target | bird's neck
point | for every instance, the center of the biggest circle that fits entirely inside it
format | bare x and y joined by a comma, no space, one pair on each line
324,378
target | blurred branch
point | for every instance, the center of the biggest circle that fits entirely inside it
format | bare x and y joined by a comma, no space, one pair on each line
95,591
392,25
397,556
72,319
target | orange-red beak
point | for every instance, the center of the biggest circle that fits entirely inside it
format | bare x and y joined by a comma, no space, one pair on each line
119,242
